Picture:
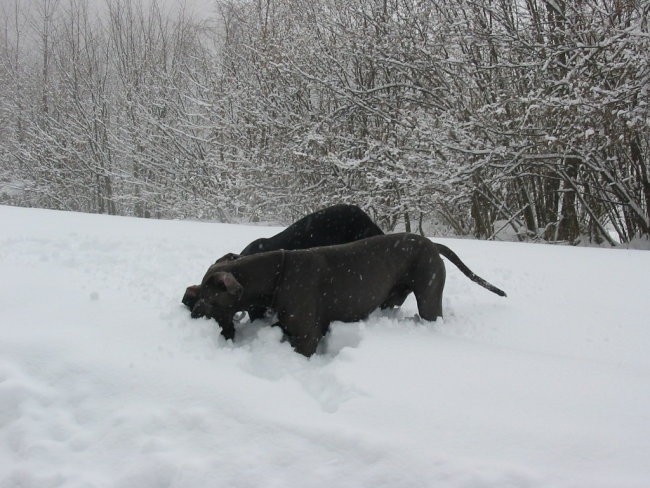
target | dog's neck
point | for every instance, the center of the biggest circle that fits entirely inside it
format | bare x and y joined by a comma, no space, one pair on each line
280,276
261,275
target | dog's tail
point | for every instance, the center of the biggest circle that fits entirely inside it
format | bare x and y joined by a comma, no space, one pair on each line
451,255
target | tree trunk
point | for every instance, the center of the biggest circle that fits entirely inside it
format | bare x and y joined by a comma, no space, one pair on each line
568,228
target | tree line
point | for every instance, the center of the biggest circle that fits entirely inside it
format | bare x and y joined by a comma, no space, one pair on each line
482,115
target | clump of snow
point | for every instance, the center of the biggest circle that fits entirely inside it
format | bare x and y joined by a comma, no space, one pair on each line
105,380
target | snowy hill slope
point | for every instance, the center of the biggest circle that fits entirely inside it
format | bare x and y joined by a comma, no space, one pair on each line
105,381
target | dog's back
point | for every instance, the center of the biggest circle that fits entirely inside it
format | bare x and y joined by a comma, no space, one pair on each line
333,225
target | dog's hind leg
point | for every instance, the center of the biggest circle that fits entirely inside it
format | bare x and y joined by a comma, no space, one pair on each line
428,289
396,297
430,301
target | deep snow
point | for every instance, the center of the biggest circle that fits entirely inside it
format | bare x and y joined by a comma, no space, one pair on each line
105,380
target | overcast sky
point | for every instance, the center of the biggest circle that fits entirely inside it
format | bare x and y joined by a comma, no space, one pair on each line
29,10
202,8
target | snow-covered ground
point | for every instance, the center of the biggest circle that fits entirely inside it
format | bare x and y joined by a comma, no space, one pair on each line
106,381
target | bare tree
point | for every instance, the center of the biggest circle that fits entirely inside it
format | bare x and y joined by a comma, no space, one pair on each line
481,115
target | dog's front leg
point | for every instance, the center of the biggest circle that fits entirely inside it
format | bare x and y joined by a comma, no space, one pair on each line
299,312
256,313
227,329
303,331
304,344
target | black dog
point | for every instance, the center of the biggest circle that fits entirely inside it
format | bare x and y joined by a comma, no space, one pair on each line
311,288
337,224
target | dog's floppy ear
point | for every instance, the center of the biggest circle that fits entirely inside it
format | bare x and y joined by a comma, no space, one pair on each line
230,283
191,296
231,256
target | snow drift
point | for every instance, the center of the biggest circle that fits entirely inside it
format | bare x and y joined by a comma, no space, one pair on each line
106,381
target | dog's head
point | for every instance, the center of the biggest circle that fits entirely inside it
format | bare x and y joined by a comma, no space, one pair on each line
192,293
219,296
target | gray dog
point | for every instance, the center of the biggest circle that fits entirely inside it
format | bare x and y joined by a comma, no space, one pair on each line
311,288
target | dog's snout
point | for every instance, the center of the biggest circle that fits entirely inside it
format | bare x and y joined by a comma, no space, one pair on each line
199,309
